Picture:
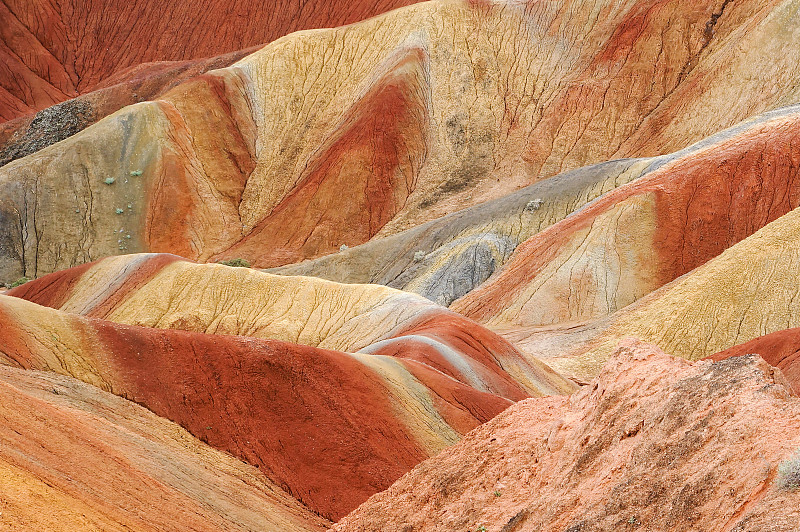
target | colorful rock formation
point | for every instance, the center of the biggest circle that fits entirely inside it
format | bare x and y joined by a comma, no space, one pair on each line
745,292
447,258
30,133
643,235
74,457
330,428
163,291
654,443
562,175
452,105
53,50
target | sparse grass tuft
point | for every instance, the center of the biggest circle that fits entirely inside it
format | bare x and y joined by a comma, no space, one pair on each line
789,473
235,263
19,282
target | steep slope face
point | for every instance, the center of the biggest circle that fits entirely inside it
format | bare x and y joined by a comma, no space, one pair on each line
749,290
781,349
166,292
30,133
641,236
452,104
445,259
52,50
76,458
655,443
330,428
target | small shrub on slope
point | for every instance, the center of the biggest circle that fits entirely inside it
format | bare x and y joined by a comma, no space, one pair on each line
19,282
236,263
789,473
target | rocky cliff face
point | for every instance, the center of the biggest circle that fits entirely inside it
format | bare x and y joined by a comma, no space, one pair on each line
653,443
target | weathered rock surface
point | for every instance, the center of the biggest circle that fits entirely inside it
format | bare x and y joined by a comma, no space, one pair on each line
164,291
781,349
52,50
73,457
446,258
638,237
748,291
654,443
452,104
329,427
30,133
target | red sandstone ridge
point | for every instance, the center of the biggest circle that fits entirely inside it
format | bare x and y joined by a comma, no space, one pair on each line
53,50
653,443
74,458
152,290
330,428
781,349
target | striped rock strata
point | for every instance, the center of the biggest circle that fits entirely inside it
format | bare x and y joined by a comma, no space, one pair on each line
637,238
53,50
164,291
451,105
73,457
747,291
328,427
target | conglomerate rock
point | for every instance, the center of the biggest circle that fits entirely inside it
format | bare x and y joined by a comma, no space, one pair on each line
653,443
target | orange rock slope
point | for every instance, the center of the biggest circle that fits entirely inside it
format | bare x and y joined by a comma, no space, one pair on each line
73,457
653,443
781,349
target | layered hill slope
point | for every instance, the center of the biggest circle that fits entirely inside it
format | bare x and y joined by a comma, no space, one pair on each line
52,50
747,291
447,258
685,209
655,443
451,105
30,133
641,236
76,458
166,292
329,427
